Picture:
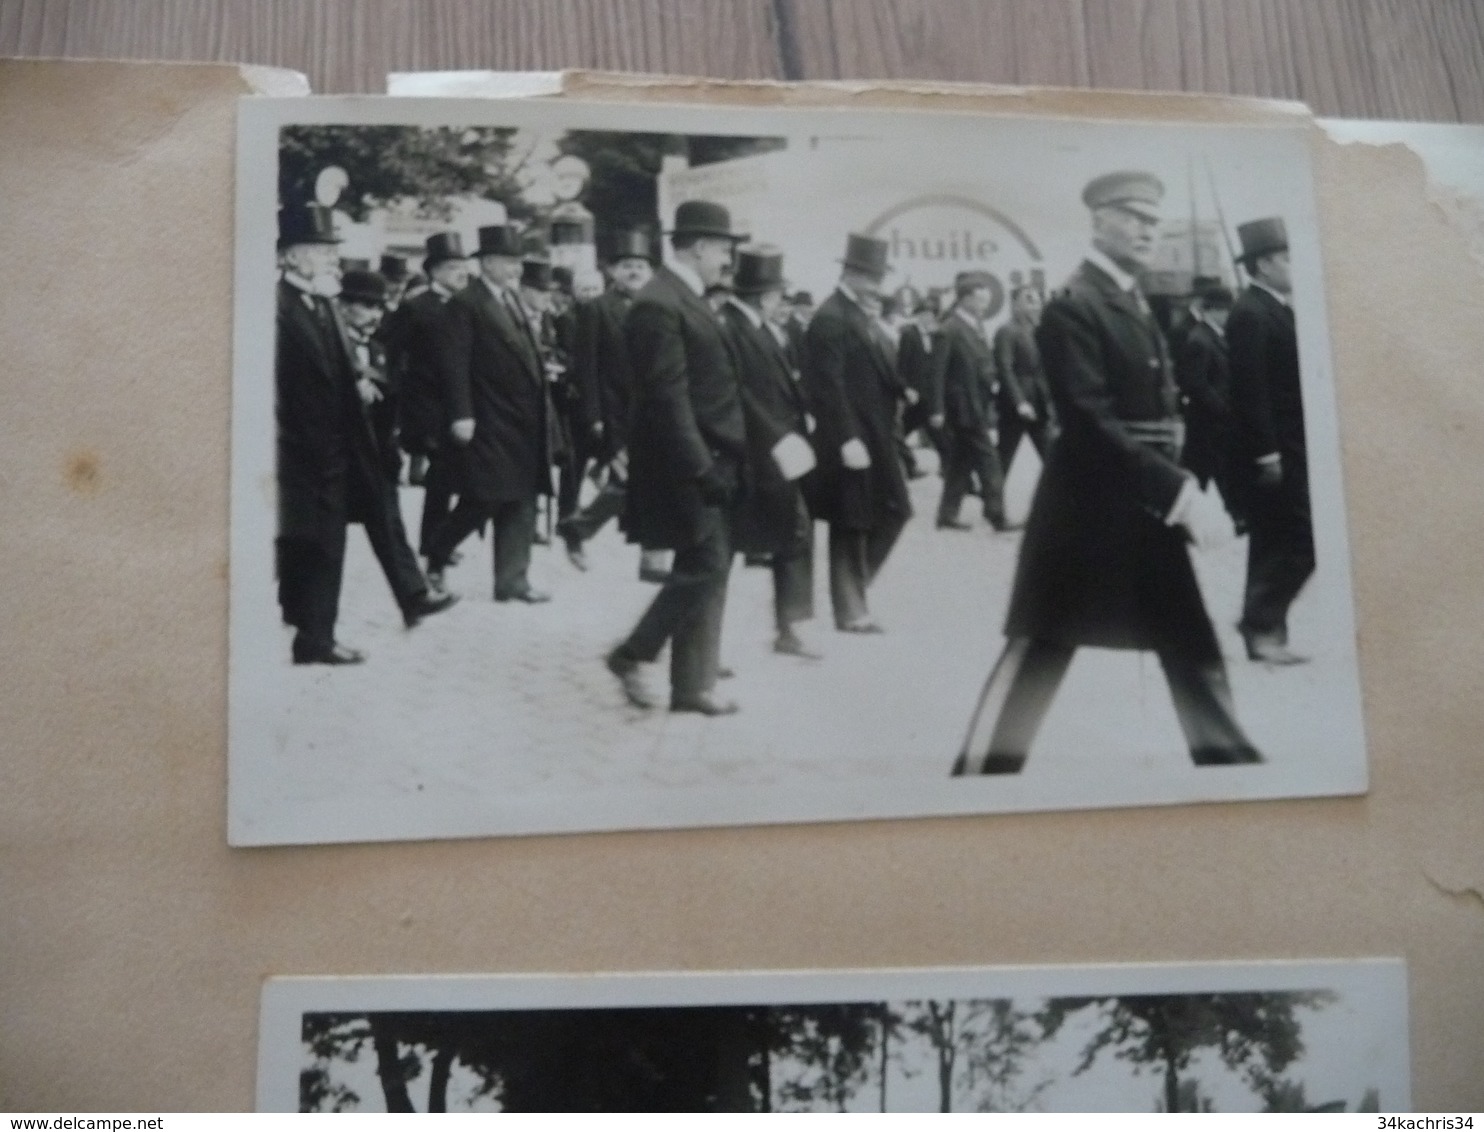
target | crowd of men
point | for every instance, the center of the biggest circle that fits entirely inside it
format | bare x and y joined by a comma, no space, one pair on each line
717,415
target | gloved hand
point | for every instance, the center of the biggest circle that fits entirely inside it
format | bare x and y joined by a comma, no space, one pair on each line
854,456
1207,522
463,430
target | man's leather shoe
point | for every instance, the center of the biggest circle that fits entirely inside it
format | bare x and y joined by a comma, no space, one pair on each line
1003,525
576,555
862,627
789,645
1269,648
631,676
335,654
426,604
703,703
953,525
1225,756
530,596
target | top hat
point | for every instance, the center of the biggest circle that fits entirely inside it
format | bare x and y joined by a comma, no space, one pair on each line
1262,237
537,274
759,270
866,254
393,268
703,218
498,239
802,299
967,281
633,243
443,246
354,265
306,224
562,277
361,286
533,245
1139,193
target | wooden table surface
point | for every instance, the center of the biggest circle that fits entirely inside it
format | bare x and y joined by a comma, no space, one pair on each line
1408,59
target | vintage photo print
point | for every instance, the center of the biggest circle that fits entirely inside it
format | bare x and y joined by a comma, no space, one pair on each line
1275,1037
603,467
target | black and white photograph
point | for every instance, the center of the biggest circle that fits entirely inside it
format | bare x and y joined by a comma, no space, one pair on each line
1277,1037
614,466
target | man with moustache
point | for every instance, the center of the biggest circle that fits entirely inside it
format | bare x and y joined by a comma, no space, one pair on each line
600,373
853,389
1271,451
1023,406
1105,561
497,398
687,448
774,519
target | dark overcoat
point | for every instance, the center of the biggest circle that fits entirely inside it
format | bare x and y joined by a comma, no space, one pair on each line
601,367
687,411
773,406
1099,564
1267,398
495,376
1203,372
965,372
416,338
852,386
1021,374
915,363
326,454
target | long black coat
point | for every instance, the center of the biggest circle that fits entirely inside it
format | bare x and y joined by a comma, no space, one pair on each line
1021,373
600,367
1203,371
687,411
852,386
1099,565
965,373
496,377
1265,392
915,357
327,465
416,337
773,406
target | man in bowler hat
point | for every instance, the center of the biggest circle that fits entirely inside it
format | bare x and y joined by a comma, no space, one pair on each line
1105,560
851,379
326,456
497,398
1271,449
687,456
774,520
965,379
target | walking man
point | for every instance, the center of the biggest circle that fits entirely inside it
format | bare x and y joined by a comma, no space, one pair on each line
1024,405
965,375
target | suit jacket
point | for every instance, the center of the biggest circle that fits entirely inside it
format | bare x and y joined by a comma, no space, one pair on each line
1099,564
915,357
1022,376
851,381
417,340
1266,395
1203,372
687,411
773,406
495,376
600,367
326,455
964,371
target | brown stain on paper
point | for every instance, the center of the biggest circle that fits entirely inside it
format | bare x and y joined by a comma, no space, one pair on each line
83,472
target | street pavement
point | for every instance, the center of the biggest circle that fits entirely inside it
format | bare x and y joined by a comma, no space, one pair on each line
506,709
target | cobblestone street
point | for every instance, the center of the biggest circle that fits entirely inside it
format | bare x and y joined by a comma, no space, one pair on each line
502,717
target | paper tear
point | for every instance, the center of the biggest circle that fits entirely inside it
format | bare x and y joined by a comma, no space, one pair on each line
1466,892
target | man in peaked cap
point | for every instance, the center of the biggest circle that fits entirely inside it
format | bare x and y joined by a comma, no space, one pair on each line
1271,450
601,376
774,520
326,456
964,377
497,403
687,456
853,389
1105,561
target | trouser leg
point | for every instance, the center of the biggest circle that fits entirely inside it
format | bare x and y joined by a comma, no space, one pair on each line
1012,428
309,573
991,476
388,538
607,504
696,571
1280,559
514,533
793,573
695,650
848,575
1203,703
879,542
438,492
466,518
957,469
1013,704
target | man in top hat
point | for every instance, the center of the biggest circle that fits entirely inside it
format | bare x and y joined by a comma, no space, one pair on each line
1271,450
1023,406
541,294
417,338
774,520
600,373
394,270
687,456
964,377
853,389
497,397
362,300
326,456
1105,560
1203,372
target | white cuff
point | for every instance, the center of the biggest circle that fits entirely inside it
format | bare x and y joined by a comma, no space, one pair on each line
793,456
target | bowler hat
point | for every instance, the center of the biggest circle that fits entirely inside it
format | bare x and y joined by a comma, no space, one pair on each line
866,254
497,239
361,286
537,274
443,246
704,218
306,224
1139,193
393,268
1262,237
759,270
633,243
966,281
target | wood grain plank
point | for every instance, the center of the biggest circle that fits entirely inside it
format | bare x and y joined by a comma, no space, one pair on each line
1447,34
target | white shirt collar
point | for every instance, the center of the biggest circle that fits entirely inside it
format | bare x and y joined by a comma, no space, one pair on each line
692,280
1282,298
961,313
778,335
1098,258
846,290
752,315
293,279
503,293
